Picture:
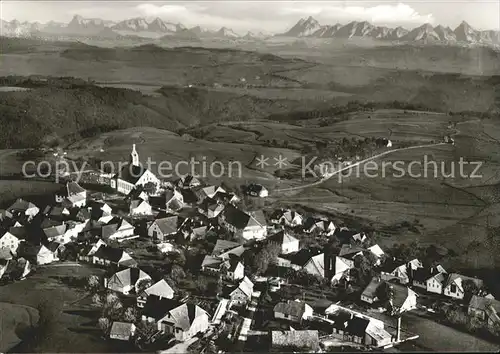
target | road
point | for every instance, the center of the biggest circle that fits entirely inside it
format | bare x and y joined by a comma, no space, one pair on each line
434,336
330,175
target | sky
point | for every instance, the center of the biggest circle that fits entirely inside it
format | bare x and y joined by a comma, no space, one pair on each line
266,16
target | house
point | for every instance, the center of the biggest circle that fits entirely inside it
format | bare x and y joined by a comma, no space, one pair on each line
289,218
99,209
483,308
72,196
287,243
226,198
138,194
9,241
257,190
401,298
183,320
344,262
174,200
86,253
188,181
139,207
106,255
117,229
436,282
163,228
378,253
56,212
56,232
133,175
126,280
212,264
209,192
321,226
225,249
44,255
316,265
359,238
300,339
420,277
233,269
22,208
294,311
243,292
456,285
122,331
160,289
399,270
210,207
369,295
17,269
247,226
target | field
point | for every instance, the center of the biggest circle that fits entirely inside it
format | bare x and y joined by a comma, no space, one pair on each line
16,321
73,321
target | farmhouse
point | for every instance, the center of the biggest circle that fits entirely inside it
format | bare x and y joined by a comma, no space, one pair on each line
174,200
160,289
257,190
188,181
165,227
455,285
484,309
225,249
369,295
402,298
106,255
182,320
244,225
243,293
22,208
9,241
72,196
399,270
294,311
321,226
126,280
288,217
117,229
139,207
210,207
287,243
133,175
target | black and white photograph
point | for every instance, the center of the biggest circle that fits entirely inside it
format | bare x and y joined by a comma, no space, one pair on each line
265,176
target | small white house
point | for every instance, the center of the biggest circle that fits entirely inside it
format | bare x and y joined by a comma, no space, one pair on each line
140,207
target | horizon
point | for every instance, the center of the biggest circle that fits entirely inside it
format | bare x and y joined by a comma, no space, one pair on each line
244,16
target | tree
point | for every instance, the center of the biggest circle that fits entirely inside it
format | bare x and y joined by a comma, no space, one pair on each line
112,307
130,315
93,284
143,284
177,272
104,324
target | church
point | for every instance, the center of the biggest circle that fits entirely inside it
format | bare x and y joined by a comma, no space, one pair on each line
133,175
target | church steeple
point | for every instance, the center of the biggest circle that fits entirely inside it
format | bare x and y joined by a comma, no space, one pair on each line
134,156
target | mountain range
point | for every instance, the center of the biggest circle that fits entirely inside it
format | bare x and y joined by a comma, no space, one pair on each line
305,27
80,26
464,33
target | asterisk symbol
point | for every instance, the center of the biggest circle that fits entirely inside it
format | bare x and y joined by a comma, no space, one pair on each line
280,161
262,161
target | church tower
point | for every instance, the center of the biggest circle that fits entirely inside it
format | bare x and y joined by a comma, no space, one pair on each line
134,156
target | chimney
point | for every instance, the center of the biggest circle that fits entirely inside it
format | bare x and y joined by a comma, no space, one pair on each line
398,333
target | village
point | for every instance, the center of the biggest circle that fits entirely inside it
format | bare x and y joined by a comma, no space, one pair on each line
204,274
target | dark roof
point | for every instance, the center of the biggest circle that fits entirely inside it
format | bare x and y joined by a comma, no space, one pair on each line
110,253
422,274
482,303
236,217
74,188
303,256
131,173
157,307
169,224
357,326
292,308
253,187
371,288
189,196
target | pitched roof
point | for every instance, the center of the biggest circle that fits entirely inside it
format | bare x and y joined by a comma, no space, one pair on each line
482,303
21,205
130,276
246,286
357,326
236,217
400,294
189,196
110,253
131,173
161,289
282,238
74,188
422,275
371,288
291,308
259,217
211,262
349,252
185,314
222,246
168,225
158,308
459,279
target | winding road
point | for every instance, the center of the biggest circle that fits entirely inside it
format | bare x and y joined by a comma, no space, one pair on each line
330,175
